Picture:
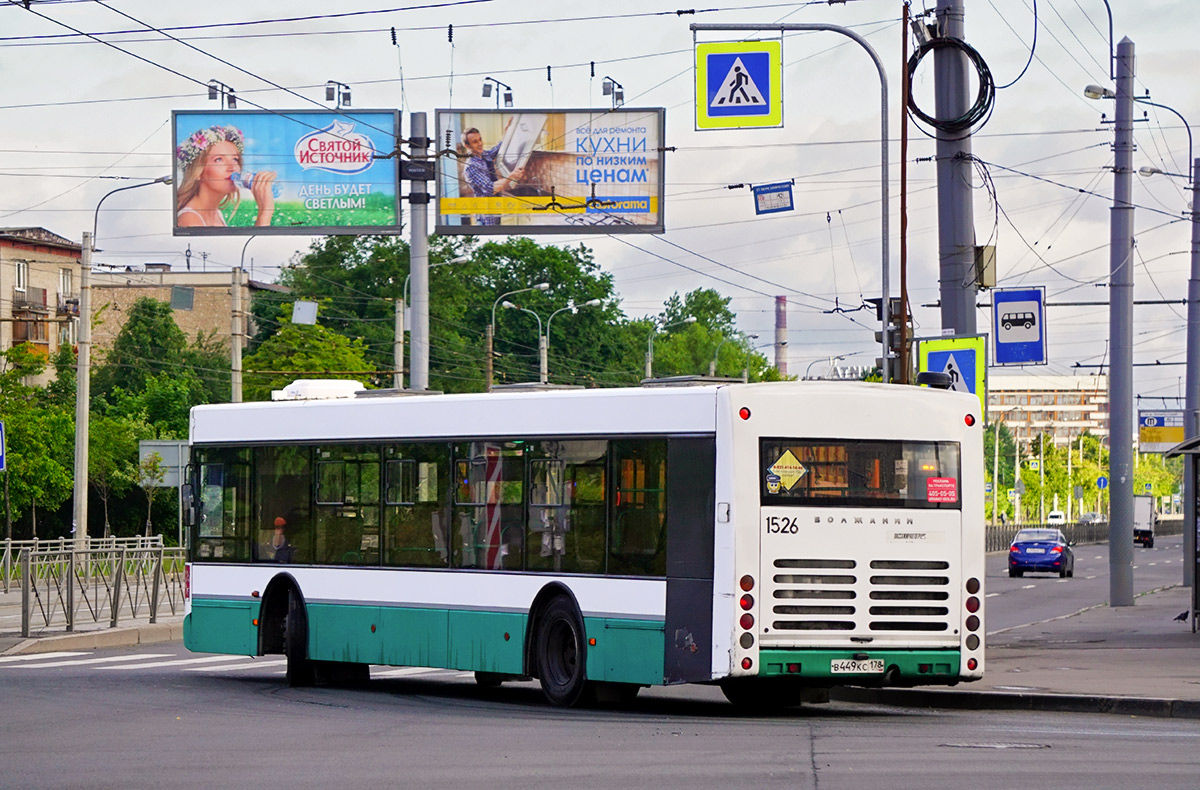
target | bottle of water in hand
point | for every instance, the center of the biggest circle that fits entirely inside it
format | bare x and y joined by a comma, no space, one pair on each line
246,181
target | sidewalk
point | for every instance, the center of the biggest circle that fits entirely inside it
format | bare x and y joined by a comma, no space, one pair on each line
1132,660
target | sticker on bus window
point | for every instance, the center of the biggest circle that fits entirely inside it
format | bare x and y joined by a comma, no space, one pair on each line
788,469
772,484
941,489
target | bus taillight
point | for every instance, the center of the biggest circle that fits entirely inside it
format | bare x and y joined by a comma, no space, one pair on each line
747,663
187,582
747,602
744,413
747,583
969,420
972,664
747,621
972,604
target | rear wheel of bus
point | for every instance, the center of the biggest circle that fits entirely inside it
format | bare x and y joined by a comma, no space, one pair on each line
300,670
561,655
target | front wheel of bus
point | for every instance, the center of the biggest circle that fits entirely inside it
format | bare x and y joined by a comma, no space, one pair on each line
562,655
300,670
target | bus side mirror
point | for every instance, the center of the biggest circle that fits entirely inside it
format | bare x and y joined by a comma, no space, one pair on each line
189,506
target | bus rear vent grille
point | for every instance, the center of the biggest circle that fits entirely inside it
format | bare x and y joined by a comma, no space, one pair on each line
834,595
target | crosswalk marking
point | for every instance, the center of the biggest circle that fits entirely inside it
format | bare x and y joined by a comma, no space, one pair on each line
245,665
83,661
178,662
38,657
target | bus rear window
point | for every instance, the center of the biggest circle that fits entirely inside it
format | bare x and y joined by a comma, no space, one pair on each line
861,473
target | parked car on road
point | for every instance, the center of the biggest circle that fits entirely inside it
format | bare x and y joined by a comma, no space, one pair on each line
1041,551
1056,517
1091,518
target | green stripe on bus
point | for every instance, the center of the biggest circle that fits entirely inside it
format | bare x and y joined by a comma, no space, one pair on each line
222,627
932,665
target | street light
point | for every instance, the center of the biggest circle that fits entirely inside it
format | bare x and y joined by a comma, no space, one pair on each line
83,369
655,329
487,91
746,370
545,347
541,339
489,337
815,361
218,89
339,92
611,87
712,366
400,306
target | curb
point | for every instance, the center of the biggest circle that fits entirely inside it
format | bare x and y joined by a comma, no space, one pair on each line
1000,700
92,640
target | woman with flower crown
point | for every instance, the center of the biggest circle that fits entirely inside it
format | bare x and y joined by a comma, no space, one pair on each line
209,164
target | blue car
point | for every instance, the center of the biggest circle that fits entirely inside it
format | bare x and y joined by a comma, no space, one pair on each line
1041,551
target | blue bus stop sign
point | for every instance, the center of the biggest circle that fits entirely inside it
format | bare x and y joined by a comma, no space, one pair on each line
1102,483
1019,326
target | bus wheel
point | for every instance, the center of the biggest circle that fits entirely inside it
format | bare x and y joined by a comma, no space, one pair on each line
300,671
760,695
562,655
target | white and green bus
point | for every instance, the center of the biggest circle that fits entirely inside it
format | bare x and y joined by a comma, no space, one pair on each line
776,539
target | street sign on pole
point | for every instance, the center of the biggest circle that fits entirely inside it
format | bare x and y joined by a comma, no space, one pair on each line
962,357
1159,431
773,198
1019,326
1102,483
739,84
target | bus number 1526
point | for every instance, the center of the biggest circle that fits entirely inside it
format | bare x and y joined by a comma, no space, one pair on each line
782,525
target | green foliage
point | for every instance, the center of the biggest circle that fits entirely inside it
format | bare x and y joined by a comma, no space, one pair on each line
297,349
113,457
706,305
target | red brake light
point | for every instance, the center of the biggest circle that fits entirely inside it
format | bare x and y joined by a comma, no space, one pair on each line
747,663
747,602
972,664
1056,550
747,621
747,583
744,413
969,420
972,604
1015,549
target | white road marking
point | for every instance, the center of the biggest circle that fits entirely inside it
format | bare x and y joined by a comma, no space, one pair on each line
85,661
235,667
991,595
1089,577
404,671
38,657
1029,586
1061,581
179,662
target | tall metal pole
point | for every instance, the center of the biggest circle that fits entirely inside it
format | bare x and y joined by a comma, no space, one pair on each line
398,347
1120,327
885,207
419,258
995,472
237,336
83,393
1191,414
956,216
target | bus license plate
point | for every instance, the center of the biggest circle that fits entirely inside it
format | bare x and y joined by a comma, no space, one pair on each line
871,666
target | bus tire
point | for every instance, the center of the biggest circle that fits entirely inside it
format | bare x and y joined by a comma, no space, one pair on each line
301,672
561,655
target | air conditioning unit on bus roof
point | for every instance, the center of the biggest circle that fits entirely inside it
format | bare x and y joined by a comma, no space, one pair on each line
318,389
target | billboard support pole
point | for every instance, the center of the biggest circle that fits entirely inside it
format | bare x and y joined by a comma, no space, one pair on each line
419,258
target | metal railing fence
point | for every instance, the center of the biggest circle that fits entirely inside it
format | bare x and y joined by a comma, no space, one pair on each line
999,537
68,588
10,570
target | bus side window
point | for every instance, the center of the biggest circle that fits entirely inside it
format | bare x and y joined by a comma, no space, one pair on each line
415,513
636,542
487,521
223,523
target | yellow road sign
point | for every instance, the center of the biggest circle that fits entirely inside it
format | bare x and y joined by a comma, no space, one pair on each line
963,358
739,84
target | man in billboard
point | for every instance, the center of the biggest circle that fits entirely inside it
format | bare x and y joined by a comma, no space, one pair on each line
480,172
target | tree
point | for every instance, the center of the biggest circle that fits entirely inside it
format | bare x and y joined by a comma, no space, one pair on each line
706,305
112,457
297,349
151,473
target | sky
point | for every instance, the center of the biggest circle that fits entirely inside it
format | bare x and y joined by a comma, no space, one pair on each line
79,118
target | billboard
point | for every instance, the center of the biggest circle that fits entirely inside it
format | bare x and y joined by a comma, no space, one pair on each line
246,173
550,171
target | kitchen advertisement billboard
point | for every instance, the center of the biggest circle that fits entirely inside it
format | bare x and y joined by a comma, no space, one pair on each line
243,173
550,171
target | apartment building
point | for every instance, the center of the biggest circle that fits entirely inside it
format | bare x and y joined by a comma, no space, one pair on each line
1060,406
39,290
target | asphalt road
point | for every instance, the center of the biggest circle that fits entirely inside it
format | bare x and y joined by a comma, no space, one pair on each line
1043,596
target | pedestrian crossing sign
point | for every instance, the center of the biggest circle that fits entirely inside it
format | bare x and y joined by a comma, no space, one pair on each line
739,84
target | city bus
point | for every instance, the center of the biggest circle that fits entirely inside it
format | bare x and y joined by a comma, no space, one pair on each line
775,539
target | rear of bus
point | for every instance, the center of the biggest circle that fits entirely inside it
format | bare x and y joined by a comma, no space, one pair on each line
857,534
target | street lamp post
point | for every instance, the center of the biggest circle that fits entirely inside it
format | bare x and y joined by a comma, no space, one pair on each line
750,353
541,339
398,339
655,329
83,370
490,335
545,347
712,366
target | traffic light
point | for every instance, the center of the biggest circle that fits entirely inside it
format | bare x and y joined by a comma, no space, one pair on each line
896,338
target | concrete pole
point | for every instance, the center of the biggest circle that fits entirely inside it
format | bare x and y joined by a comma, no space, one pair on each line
1191,414
1120,327
781,335
488,366
956,216
650,354
419,258
398,347
1042,477
237,336
995,472
543,361
83,395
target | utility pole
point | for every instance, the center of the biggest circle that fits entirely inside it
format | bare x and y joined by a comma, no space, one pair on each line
83,394
995,472
237,336
1191,413
419,256
398,347
956,216
1120,329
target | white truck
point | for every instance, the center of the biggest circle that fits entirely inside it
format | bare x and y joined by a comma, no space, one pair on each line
1143,520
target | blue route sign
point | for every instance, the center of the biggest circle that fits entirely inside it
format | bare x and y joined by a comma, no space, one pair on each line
1019,326
1102,483
773,198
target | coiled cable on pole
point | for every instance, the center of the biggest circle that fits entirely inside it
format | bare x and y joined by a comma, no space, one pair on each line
985,99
